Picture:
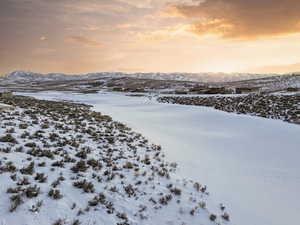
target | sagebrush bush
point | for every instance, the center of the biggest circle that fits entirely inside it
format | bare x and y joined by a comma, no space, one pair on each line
80,167
55,194
16,200
32,191
8,138
29,170
87,187
212,217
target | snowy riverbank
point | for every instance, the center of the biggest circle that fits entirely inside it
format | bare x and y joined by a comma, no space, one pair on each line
63,164
249,163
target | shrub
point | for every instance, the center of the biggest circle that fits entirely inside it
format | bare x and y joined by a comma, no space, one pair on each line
94,163
197,186
5,150
87,187
9,167
57,182
212,217
23,181
128,165
16,200
129,190
8,138
36,207
110,140
73,206
225,216
122,216
32,191
55,194
30,145
82,154
80,167
59,222
24,135
11,130
42,164
13,190
45,126
202,205
164,200
41,177
76,222
176,191
19,149
23,126
29,170
13,177
58,164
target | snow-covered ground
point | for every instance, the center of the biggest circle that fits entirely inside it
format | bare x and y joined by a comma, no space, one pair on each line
4,105
250,164
63,164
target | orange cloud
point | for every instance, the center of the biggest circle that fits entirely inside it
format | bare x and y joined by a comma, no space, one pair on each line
43,38
163,33
240,19
81,40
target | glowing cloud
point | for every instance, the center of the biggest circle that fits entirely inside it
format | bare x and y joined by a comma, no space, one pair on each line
240,19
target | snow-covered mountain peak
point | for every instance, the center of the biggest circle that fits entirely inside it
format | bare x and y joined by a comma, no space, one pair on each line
31,76
20,74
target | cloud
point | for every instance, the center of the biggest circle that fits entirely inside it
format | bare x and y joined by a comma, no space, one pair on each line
145,3
240,19
95,7
85,41
165,33
43,38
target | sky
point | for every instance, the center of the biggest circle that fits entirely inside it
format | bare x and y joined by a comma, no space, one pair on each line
83,36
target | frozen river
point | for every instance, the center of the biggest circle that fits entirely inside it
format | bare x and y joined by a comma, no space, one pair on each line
250,164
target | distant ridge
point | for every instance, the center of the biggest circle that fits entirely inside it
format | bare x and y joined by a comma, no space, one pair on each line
21,75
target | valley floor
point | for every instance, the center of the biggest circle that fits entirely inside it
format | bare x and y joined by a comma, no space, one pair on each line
249,163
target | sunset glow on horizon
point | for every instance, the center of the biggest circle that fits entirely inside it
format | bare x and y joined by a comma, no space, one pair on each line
82,36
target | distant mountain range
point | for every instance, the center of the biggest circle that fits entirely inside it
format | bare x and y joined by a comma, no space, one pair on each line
195,77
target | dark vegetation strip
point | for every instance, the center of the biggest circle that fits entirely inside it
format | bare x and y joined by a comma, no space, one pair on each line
282,107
